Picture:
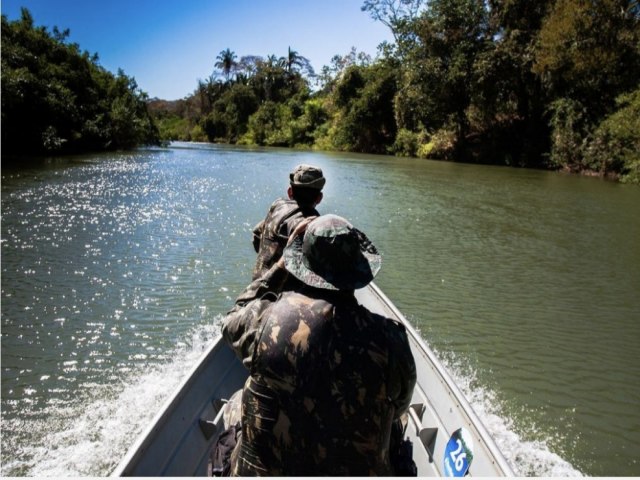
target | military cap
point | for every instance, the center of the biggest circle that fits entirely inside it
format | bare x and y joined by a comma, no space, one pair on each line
332,255
307,176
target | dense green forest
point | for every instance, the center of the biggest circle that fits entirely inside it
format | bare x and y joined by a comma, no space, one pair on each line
543,84
58,99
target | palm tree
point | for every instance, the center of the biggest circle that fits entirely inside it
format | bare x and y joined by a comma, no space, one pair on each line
272,61
292,59
294,62
226,62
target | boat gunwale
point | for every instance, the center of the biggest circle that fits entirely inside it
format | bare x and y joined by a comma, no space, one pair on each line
446,378
179,392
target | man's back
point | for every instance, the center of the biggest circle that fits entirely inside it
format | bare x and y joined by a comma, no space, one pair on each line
273,232
327,379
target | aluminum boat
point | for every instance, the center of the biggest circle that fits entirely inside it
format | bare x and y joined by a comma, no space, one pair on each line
448,437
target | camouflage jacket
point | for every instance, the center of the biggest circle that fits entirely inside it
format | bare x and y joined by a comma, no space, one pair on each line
271,234
327,379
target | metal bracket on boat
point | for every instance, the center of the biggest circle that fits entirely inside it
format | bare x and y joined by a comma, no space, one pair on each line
218,403
417,411
208,427
426,435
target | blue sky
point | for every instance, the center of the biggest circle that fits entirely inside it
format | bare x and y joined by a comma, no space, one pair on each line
167,45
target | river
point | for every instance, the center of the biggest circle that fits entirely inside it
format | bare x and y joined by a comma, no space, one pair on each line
116,269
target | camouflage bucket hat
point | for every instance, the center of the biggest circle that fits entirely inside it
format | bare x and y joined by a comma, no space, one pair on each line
332,255
307,176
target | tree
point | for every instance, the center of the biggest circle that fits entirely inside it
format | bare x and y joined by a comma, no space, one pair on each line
615,146
249,64
508,96
268,126
588,54
230,114
226,62
270,79
56,98
295,62
339,64
291,60
364,100
439,50
393,13
590,51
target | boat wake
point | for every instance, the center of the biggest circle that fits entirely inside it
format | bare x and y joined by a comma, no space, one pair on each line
89,437
527,458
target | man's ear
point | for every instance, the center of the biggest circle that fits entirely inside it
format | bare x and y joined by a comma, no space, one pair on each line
319,198
290,192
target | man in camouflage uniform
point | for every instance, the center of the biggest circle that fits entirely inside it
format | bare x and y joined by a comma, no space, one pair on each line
327,377
270,235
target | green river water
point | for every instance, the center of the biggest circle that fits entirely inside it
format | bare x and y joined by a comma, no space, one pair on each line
116,270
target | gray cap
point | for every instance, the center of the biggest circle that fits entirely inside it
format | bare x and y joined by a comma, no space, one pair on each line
332,255
307,176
